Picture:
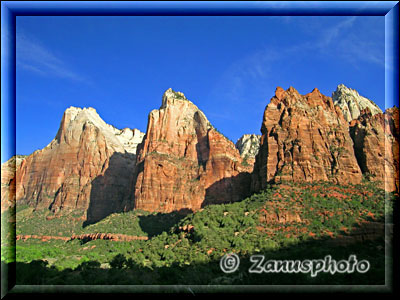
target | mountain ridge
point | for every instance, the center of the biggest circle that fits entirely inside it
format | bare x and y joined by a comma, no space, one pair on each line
183,162
87,162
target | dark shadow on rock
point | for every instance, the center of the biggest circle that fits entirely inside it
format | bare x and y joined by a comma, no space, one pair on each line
358,142
229,189
202,146
155,224
110,192
203,151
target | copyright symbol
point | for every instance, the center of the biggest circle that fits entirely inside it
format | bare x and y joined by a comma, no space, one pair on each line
229,263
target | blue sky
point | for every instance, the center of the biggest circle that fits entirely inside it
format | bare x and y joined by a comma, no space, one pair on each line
228,66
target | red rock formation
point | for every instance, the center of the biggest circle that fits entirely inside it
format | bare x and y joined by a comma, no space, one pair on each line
8,186
271,216
376,144
184,163
41,237
86,167
85,237
304,138
108,236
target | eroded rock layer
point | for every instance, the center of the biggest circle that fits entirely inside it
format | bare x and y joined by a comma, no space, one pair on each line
88,166
184,163
304,138
376,145
8,179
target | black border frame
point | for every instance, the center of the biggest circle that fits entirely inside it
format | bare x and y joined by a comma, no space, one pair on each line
11,9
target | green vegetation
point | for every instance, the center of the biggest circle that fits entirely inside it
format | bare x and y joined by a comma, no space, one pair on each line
43,222
187,249
336,150
244,161
179,95
135,223
8,235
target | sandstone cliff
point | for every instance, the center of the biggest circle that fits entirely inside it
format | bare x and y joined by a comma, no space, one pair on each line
376,145
87,166
304,138
184,163
351,103
8,181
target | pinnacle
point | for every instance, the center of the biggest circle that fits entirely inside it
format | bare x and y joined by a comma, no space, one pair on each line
292,89
170,94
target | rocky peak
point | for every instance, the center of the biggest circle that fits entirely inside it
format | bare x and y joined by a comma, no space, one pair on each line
88,167
287,97
184,162
291,97
304,138
130,138
352,103
280,93
75,120
248,145
170,97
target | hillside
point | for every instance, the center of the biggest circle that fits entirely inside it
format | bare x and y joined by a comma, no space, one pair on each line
290,217
100,205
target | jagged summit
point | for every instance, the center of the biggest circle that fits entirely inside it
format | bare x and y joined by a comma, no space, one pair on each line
188,115
88,166
75,119
248,145
352,103
171,93
170,96
304,138
291,97
180,105
184,162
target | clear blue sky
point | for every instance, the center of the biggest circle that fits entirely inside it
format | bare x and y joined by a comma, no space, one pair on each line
228,66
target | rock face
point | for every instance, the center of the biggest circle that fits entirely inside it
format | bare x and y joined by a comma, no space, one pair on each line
88,166
248,146
304,138
351,103
108,236
130,138
8,186
86,237
376,145
184,163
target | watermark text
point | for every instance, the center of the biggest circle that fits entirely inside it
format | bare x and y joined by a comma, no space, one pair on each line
229,263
